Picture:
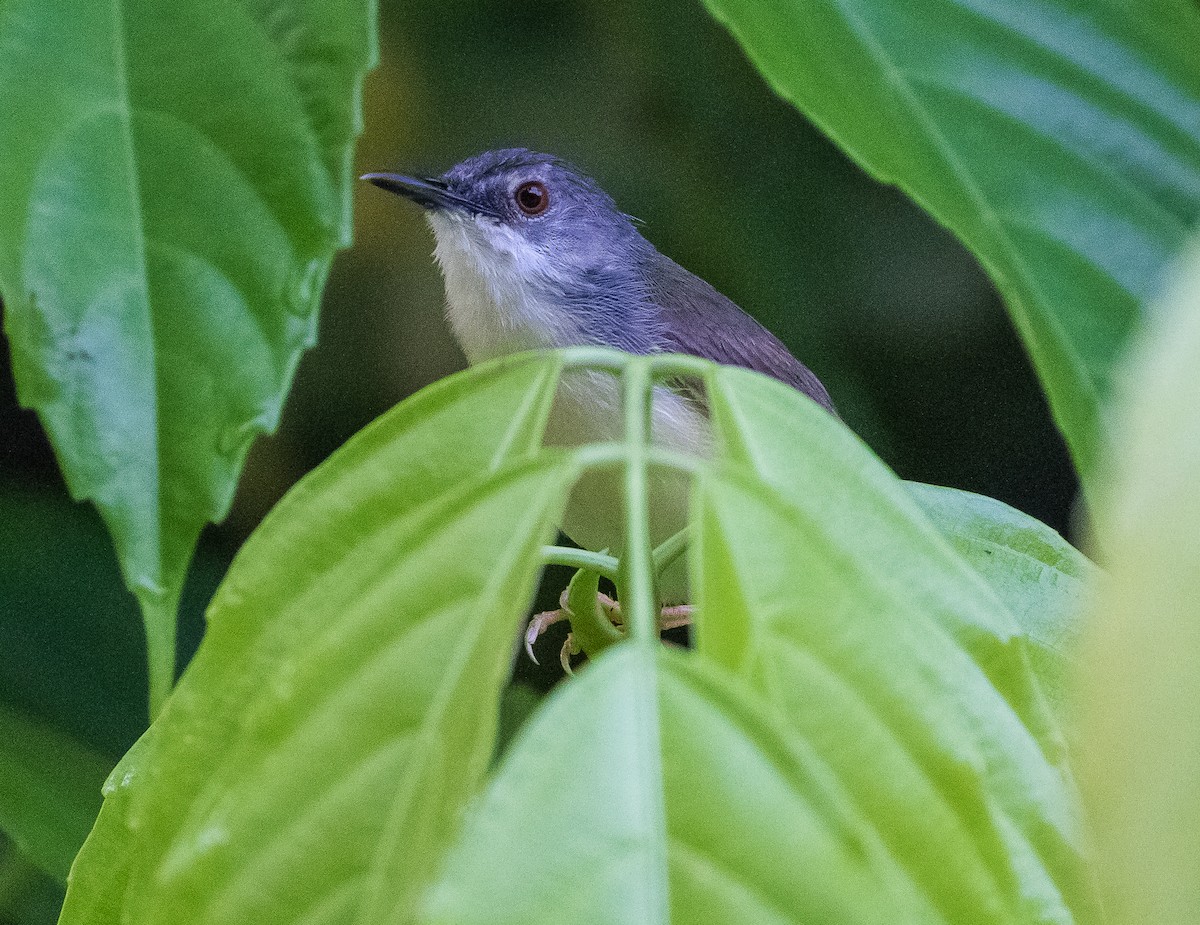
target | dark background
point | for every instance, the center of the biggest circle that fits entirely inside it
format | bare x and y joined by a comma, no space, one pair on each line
659,104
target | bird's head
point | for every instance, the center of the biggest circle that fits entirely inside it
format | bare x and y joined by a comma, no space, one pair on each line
536,241
530,210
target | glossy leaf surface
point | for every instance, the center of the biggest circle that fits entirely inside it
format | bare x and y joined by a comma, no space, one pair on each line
1060,141
166,242
1139,690
867,645
344,702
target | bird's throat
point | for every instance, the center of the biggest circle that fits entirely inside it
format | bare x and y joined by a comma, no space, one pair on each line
498,301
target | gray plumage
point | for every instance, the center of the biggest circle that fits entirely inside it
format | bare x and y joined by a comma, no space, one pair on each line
578,273
700,321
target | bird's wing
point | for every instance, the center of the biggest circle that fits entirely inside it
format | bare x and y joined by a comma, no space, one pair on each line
698,320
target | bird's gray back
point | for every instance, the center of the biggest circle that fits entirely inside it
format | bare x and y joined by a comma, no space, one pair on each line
698,320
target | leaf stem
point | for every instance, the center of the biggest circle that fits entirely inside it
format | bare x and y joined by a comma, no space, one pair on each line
670,549
598,562
637,565
589,623
159,614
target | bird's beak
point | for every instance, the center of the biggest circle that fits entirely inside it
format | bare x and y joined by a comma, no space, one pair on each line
427,192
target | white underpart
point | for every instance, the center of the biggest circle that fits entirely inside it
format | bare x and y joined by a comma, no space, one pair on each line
495,282
497,304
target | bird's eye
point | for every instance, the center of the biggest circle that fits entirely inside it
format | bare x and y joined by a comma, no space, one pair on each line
532,198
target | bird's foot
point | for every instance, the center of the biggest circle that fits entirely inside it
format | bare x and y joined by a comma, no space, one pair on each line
668,618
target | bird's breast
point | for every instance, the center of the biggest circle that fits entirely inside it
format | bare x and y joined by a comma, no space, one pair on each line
588,409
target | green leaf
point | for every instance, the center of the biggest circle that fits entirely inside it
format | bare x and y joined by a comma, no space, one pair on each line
1139,691
100,875
176,184
652,789
824,586
1060,141
49,791
344,702
1040,578
28,895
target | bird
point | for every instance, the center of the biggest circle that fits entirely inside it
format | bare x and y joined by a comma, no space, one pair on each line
535,255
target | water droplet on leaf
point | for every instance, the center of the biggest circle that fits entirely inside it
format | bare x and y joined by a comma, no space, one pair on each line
233,439
304,291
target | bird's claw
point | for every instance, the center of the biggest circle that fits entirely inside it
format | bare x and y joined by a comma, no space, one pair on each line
677,615
669,618
540,622
569,648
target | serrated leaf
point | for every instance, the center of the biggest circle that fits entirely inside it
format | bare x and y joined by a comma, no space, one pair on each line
176,181
344,702
49,791
1041,579
1139,677
652,789
822,584
1060,141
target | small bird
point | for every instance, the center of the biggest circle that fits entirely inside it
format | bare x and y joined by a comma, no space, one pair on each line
536,255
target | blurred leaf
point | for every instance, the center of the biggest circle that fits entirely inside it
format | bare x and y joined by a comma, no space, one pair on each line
344,702
518,702
49,791
885,755
651,789
824,586
176,184
1139,691
78,667
1040,578
28,895
1060,141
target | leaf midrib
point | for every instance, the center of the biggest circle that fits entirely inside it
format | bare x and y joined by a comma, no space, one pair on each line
125,113
1105,169
126,108
373,901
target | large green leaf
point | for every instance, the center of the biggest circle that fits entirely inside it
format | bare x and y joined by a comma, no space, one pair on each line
654,789
1139,691
313,764
822,583
176,181
49,791
1040,578
1060,140
344,702
875,651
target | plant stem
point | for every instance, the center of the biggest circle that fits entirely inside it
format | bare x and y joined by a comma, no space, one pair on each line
598,562
670,549
589,623
637,567
159,613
